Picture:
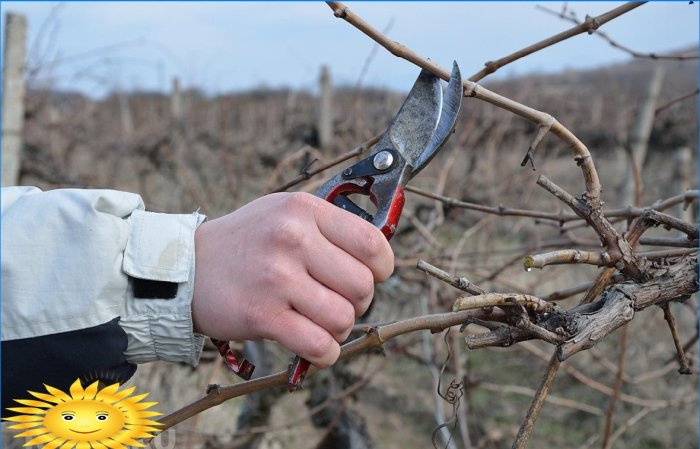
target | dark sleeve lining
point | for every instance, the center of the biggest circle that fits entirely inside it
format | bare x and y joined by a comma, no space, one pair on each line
95,353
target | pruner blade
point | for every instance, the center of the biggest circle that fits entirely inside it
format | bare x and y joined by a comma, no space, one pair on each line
425,120
448,117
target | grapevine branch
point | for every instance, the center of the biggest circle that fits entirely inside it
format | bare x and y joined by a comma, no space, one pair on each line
461,283
590,25
682,359
678,99
560,217
373,338
566,256
571,17
537,402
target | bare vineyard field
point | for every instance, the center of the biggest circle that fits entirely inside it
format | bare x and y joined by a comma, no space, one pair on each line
222,152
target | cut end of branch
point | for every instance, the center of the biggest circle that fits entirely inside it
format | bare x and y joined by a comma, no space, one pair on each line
529,157
340,13
529,263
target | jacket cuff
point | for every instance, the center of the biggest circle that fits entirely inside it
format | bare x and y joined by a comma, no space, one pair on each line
161,248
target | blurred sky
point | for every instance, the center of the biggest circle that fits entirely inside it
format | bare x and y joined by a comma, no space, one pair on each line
97,47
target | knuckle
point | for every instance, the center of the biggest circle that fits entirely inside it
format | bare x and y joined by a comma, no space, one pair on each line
297,203
292,225
322,349
276,274
289,233
379,257
365,285
345,320
375,244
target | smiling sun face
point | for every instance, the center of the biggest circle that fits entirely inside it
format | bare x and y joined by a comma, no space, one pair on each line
86,419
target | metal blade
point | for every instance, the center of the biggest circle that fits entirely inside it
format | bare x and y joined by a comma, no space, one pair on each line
448,118
415,123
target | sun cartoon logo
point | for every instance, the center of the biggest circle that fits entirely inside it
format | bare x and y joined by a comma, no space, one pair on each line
86,419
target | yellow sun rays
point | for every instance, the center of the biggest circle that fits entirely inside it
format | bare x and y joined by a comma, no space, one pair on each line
87,418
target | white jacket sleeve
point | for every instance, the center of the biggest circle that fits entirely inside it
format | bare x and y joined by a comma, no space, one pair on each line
69,259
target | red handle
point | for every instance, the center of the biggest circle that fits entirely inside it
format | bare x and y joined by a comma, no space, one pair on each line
241,366
297,372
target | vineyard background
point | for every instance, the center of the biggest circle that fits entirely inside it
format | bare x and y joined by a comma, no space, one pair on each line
186,151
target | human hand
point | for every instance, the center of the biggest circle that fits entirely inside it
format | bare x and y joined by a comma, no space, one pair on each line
289,267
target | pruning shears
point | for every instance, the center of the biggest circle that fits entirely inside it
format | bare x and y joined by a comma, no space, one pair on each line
414,136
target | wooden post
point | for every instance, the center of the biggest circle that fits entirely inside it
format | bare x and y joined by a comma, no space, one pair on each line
125,114
13,90
683,164
57,147
325,110
596,110
176,107
639,140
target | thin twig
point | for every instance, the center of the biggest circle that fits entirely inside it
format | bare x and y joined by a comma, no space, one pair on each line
652,255
680,242
634,212
616,389
370,57
357,151
499,210
592,383
551,399
642,413
349,391
682,359
461,283
670,221
559,217
542,131
670,103
589,26
572,18
636,175
536,405
565,197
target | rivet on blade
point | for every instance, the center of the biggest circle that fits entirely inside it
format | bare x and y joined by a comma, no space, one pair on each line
383,160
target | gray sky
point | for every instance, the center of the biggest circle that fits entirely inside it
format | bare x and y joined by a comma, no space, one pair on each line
96,47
